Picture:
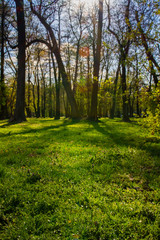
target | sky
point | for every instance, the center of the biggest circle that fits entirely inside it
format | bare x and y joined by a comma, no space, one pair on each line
87,2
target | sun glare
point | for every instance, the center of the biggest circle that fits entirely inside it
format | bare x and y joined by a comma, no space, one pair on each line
86,2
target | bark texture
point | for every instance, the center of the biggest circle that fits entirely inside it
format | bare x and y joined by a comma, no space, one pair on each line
19,114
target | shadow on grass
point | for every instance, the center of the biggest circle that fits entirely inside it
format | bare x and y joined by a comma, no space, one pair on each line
43,144
123,139
118,135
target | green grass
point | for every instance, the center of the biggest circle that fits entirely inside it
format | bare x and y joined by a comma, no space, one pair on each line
79,180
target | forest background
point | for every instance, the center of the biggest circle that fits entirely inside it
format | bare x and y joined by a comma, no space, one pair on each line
99,60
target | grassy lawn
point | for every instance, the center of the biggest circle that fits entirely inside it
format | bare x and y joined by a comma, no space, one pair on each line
79,180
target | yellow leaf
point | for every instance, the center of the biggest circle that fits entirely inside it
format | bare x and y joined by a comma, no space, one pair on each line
158,12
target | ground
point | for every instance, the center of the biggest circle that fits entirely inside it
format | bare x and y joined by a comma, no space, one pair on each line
64,179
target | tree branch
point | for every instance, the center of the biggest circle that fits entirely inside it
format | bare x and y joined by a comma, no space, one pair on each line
145,44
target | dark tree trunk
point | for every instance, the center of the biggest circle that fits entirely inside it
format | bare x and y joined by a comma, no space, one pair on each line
130,101
112,112
29,91
42,101
88,85
137,87
137,106
76,68
59,74
43,96
94,97
34,104
57,84
38,97
58,97
19,114
153,73
124,89
50,88
67,86
3,102
68,112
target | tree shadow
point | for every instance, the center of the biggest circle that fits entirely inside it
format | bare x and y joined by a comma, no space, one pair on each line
8,124
124,139
46,141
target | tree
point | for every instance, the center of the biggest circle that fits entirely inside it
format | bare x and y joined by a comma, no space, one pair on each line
19,114
152,61
50,86
77,25
123,37
28,104
94,98
112,111
3,97
55,49
99,80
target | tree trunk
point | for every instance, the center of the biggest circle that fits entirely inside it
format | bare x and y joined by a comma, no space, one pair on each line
19,114
29,91
94,97
137,87
57,84
34,104
12,98
43,101
88,85
50,88
112,112
124,89
76,68
59,74
149,54
44,97
3,102
67,86
65,81
153,73
38,96
130,101
58,97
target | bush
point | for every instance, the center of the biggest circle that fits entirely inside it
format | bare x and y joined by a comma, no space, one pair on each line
152,114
